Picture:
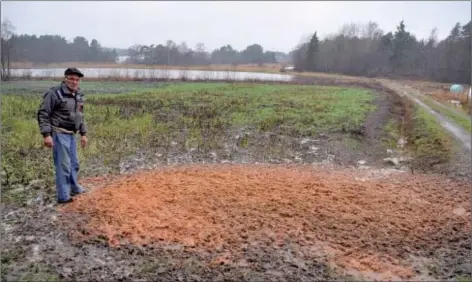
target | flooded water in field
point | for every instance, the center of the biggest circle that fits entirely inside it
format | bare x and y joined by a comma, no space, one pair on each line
154,74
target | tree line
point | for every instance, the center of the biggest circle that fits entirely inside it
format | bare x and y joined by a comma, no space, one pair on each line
56,49
359,50
181,55
365,50
51,48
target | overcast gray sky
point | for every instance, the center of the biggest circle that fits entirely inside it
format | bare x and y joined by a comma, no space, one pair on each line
275,25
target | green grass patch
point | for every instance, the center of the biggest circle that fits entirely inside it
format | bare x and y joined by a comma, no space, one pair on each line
431,144
460,118
464,278
152,116
303,110
392,133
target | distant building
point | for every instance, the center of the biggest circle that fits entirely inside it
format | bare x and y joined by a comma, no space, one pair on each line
121,59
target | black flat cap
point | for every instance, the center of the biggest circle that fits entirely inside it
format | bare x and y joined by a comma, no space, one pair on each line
72,71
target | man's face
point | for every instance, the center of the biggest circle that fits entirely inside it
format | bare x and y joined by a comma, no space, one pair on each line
72,82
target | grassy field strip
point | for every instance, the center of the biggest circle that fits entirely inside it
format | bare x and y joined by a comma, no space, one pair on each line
176,118
126,117
458,132
431,142
460,118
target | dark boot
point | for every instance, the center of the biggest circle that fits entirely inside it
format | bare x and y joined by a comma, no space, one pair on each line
65,202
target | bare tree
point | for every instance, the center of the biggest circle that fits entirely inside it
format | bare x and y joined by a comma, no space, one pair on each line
372,31
433,38
170,46
183,48
350,30
200,47
6,48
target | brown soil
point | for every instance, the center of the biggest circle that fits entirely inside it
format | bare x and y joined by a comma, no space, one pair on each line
367,221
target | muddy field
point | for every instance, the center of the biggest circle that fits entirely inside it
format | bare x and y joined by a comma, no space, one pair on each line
260,201
248,222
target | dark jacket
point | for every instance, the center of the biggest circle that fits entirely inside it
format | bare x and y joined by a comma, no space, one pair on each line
64,112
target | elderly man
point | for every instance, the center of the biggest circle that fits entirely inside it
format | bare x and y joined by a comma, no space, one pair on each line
60,117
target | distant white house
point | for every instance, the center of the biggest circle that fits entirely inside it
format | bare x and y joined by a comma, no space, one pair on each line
121,59
288,68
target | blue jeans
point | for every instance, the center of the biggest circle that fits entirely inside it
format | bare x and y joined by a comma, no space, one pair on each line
66,165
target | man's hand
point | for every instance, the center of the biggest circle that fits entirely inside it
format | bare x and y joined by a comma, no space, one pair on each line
83,141
48,141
